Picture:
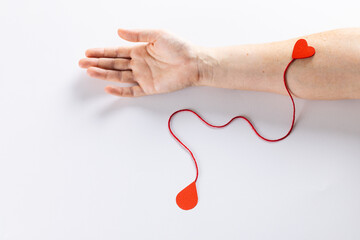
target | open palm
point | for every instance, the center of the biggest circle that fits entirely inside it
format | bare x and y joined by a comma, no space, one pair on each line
164,64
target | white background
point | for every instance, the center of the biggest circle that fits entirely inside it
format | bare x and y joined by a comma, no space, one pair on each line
76,163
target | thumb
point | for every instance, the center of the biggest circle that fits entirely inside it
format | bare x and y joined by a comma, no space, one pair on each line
139,35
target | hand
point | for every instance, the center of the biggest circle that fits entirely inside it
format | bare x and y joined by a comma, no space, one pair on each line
164,64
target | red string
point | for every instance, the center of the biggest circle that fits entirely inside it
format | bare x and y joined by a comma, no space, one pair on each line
242,117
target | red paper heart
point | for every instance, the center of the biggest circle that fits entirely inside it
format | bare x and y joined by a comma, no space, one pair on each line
302,50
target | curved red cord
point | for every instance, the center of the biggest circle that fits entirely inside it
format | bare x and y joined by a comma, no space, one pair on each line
247,120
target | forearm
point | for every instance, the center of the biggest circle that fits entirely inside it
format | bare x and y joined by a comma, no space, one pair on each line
332,73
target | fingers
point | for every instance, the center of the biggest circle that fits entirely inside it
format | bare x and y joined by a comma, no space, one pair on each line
118,52
111,75
106,63
139,35
134,91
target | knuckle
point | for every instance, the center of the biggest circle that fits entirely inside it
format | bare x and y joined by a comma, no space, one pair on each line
131,63
119,76
106,52
118,52
106,75
98,63
112,64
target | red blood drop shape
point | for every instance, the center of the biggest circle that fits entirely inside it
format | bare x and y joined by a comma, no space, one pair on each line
187,198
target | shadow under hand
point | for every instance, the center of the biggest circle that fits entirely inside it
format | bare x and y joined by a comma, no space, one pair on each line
214,104
219,105
87,88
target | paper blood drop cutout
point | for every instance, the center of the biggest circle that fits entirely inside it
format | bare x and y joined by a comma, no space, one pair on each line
187,198
302,50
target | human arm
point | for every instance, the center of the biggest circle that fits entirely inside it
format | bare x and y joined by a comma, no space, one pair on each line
166,63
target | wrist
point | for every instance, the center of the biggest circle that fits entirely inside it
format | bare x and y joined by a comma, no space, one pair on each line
207,64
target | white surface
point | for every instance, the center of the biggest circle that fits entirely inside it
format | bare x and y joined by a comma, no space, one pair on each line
76,163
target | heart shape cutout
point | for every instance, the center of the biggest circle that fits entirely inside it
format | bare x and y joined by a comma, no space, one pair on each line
302,50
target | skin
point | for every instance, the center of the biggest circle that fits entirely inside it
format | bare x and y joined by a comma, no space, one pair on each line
165,63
